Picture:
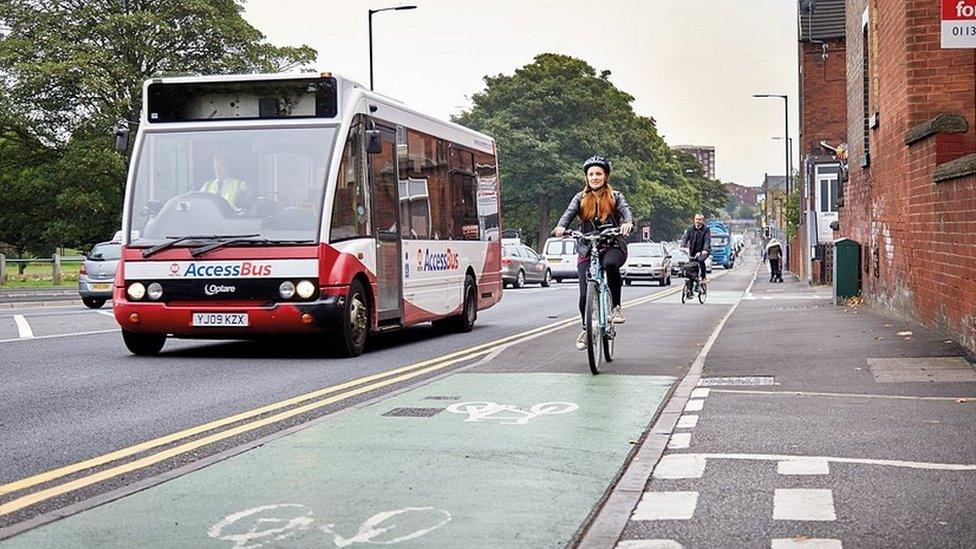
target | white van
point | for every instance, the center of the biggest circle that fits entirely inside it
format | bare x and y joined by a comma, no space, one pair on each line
560,254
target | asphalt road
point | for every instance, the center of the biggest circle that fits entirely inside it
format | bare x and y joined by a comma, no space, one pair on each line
68,398
811,430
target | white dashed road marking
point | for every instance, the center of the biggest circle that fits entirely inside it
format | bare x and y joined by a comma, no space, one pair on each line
649,544
678,466
700,393
687,421
23,328
803,466
695,405
806,543
803,504
679,441
666,506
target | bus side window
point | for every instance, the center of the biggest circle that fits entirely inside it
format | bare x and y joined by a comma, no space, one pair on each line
350,212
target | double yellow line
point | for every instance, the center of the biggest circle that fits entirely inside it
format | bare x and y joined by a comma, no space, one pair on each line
333,394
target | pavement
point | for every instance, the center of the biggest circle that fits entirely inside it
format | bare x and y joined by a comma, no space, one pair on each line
764,417
818,426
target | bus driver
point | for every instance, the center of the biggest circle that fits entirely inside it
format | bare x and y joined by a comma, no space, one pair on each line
226,185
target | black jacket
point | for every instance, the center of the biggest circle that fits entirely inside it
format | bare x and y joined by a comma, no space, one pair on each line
695,245
621,214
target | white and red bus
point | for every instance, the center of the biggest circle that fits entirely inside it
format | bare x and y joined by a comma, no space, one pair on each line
302,204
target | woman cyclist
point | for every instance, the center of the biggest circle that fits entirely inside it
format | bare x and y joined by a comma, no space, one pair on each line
597,205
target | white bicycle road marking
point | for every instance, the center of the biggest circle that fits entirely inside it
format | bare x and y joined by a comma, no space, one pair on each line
268,524
509,414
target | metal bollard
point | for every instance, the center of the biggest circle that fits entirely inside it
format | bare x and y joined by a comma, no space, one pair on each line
56,269
3,269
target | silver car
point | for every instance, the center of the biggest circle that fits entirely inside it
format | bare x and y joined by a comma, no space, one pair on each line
521,265
97,274
647,261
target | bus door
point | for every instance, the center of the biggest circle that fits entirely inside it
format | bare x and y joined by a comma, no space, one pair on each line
385,204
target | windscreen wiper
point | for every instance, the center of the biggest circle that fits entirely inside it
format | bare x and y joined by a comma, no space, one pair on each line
177,239
249,239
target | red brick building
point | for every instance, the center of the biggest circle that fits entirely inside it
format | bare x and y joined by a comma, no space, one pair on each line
910,200
743,193
823,119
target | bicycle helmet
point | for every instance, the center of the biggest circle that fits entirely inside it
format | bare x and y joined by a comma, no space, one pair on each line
597,161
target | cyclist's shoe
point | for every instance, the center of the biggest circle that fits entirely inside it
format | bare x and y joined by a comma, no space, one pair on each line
581,341
617,316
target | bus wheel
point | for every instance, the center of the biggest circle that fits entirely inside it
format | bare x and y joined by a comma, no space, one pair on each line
349,339
463,322
143,344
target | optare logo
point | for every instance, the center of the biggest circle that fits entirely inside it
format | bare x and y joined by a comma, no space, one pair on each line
214,289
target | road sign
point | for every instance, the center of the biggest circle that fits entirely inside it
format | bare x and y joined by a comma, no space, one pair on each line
959,23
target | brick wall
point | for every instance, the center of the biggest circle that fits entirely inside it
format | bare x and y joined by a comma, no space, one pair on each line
917,234
823,92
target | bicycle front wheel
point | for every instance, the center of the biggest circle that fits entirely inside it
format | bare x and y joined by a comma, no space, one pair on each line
702,293
594,333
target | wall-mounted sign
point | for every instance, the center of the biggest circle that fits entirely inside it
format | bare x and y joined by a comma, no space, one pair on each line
959,23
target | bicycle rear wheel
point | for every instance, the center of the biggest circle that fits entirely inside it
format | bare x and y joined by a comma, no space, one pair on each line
594,339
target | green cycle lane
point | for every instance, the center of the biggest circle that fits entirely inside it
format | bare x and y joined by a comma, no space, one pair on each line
472,459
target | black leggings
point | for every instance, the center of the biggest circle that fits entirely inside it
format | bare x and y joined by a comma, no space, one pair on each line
611,260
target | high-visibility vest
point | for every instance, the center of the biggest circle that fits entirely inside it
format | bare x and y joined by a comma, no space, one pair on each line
232,188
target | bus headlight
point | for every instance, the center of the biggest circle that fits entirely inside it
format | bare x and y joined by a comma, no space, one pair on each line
305,289
286,290
155,291
136,291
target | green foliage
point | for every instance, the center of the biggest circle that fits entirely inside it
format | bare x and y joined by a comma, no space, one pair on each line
714,194
551,115
71,70
792,211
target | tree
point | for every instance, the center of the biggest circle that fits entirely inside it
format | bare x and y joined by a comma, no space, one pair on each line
714,194
71,71
552,114
75,63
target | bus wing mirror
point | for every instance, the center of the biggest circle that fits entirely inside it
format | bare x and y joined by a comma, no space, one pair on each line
121,138
374,142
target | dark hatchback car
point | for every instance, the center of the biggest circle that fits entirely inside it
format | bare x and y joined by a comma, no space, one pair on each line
522,265
97,274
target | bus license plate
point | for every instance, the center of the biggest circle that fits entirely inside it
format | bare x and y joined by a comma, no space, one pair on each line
236,320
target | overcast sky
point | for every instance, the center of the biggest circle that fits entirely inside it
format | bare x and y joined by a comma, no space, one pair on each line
692,65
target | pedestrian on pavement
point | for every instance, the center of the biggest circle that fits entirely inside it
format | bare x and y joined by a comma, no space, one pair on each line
697,243
599,205
774,251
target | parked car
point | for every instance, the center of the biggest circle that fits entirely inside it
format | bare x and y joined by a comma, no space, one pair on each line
98,273
560,254
647,261
522,265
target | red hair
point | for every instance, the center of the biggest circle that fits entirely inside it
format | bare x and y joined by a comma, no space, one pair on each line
598,201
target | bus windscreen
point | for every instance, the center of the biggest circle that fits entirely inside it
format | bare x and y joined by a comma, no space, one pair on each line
247,100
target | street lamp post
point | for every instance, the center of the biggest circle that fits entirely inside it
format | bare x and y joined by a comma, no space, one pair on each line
370,19
786,138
